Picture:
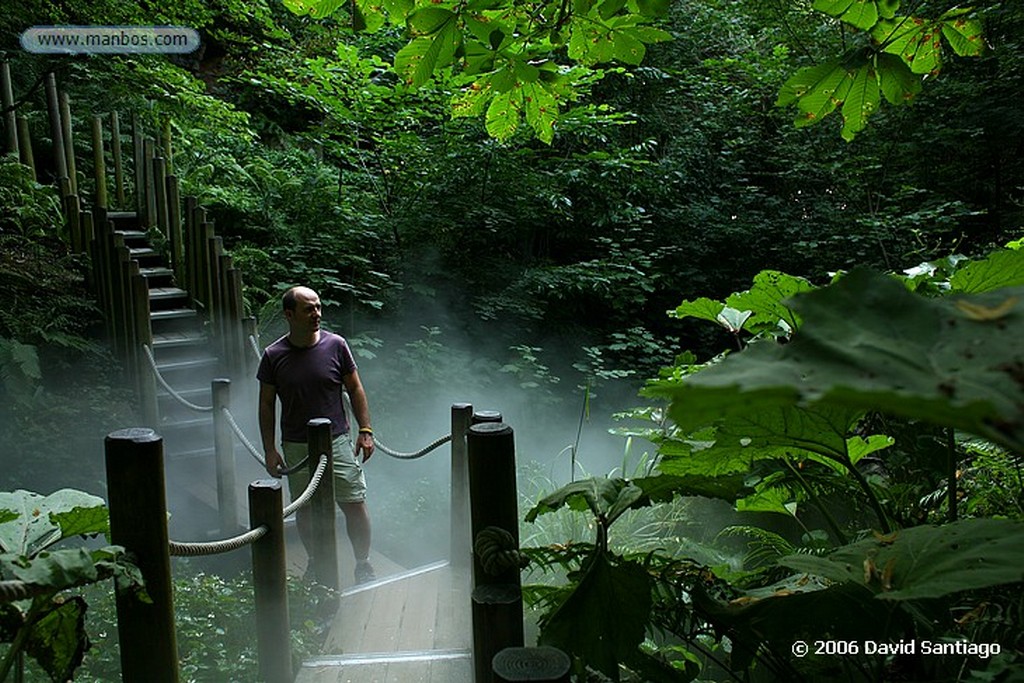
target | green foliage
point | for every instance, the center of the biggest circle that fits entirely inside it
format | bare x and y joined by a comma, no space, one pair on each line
926,561
214,625
50,627
27,208
874,345
903,50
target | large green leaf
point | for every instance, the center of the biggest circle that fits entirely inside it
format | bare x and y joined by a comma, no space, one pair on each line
963,33
504,114
862,100
43,520
58,641
665,487
869,344
916,41
1004,268
926,561
767,297
605,498
541,111
604,620
860,13
57,569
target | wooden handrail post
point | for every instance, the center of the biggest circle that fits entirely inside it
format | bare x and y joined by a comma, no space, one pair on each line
138,521
25,146
60,161
224,454
461,551
493,499
10,116
321,507
69,141
99,163
269,578
115,151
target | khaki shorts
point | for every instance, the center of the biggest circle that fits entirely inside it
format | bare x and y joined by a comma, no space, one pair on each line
349,480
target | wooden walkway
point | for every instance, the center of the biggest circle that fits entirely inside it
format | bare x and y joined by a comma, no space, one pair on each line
413,627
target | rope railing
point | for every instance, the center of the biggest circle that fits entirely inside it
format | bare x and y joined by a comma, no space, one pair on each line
168,388
415,454
180,549
254,345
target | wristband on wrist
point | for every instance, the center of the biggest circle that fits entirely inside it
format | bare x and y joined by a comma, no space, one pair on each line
366,430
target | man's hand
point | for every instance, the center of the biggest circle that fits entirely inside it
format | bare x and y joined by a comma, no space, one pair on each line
364,443
275,463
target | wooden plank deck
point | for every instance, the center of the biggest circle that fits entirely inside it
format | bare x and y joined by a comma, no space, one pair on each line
414,627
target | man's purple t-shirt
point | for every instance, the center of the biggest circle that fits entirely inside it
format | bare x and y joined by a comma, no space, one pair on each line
309,382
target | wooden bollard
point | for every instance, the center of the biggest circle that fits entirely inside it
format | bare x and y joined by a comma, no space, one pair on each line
461,551
60,160
224,454
321,507
25,146
98,162
69,140
138,521
269,578
493,495
10,116
497,598
536,664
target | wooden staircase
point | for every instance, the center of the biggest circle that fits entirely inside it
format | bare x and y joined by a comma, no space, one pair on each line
181,348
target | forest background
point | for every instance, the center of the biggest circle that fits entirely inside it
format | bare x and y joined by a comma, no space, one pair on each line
453,250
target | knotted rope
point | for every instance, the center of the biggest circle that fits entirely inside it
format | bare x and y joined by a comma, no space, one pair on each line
497,551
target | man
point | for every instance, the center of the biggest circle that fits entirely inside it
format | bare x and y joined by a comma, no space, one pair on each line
307,369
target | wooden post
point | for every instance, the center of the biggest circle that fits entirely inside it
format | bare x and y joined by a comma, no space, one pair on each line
139,170
138,521
174,227
99,165
25,146
60,161
163,224
72,207
536,664
115,151
144,336
224,453
10,117
321,506
236,311
89,239
461,551
69,141
148,184
269,578
192,223
481,416
493,500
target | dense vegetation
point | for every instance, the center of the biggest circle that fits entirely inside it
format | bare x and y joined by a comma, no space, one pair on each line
462,231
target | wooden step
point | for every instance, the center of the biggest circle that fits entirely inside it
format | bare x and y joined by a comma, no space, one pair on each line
173,314
156,272
189,364
172,340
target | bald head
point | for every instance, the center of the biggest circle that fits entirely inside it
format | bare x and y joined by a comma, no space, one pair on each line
293,296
